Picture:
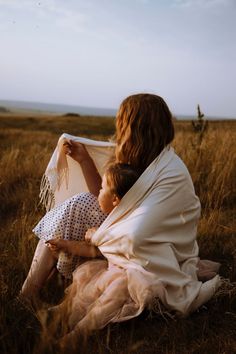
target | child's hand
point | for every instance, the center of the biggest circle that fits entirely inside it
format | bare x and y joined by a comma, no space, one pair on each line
89,234
75,248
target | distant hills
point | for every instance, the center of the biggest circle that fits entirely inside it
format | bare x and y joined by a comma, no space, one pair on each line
40,107
53,108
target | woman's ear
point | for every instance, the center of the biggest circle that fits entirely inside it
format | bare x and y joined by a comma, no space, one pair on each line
116,200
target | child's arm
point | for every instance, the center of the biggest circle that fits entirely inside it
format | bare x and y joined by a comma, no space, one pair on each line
76,248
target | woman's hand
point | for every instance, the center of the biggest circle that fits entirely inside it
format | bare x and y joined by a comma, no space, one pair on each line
79,153
89,234
76,150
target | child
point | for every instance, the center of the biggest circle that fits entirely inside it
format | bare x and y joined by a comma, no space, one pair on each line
117,180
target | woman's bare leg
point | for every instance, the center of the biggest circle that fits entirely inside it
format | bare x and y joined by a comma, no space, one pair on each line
41,267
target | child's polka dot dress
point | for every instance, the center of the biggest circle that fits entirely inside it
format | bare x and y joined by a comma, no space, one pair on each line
70,221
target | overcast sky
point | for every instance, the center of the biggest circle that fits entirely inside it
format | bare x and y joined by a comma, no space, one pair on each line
96,52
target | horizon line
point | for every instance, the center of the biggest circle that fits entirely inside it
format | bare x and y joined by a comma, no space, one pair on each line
12,105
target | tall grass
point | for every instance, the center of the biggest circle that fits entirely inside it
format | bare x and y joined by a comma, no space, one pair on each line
26,146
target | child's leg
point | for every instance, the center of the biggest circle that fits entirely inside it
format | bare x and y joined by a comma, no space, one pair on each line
41,267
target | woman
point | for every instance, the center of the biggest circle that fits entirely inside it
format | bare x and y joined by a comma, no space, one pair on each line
149,240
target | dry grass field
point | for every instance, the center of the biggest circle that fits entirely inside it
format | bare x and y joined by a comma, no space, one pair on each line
26,144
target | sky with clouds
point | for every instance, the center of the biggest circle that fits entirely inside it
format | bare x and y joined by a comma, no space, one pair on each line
96,52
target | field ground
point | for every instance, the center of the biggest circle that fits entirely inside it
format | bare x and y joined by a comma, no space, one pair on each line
26,144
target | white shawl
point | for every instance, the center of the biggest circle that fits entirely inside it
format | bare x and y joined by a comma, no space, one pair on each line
152,230
63,177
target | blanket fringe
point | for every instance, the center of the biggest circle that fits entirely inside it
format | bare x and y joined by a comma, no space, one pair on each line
46,194
51,181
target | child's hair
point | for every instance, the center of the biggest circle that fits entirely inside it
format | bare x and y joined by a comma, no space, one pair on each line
121,177
143,128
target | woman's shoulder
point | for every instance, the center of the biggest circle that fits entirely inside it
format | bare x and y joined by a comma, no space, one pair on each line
176,170
176,163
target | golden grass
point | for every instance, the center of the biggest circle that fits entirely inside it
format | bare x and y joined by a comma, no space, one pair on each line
26,145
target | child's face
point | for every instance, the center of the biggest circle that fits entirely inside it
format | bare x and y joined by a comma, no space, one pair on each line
107,199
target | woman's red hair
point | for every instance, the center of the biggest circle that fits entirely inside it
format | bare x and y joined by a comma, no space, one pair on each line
144,127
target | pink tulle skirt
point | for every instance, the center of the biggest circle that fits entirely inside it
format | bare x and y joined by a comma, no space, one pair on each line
102,293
